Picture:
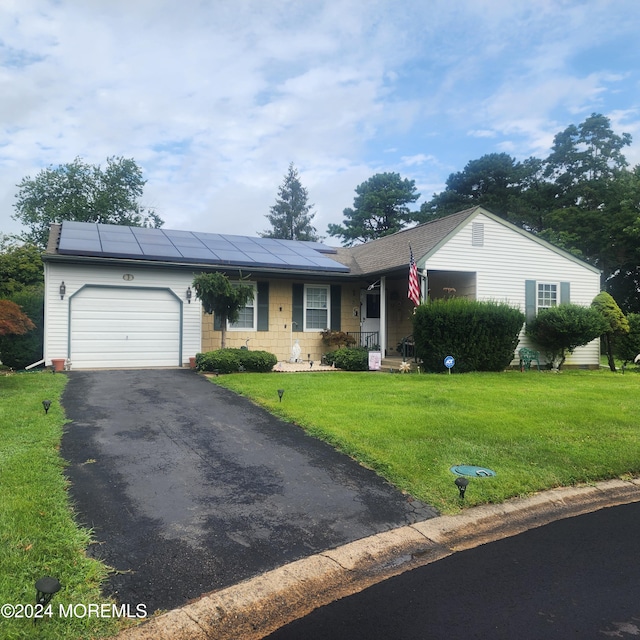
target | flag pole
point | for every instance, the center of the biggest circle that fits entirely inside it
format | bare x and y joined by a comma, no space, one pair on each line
414,293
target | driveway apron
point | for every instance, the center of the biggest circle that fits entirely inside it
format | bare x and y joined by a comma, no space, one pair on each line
189,488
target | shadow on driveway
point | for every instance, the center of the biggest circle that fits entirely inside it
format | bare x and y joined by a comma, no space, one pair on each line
190,488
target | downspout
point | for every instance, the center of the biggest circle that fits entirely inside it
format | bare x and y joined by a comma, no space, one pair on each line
45,323
383,315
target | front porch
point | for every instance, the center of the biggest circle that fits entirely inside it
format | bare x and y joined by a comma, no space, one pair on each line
392,364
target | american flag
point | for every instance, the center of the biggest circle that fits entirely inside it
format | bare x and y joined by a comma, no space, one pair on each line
414,284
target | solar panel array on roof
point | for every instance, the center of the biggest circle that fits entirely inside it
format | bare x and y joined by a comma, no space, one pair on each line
139,243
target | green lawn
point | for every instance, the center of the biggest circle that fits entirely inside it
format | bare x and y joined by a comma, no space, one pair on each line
536,430
37,529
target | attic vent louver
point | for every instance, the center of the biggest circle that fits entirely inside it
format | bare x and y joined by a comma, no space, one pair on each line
477,234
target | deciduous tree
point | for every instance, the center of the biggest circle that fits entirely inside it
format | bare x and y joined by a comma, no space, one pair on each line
222,297
84,193
13,321
20,267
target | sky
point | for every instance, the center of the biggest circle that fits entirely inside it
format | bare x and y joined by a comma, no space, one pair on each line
214,99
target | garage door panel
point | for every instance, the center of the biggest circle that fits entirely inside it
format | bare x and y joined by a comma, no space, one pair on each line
119,327
127,327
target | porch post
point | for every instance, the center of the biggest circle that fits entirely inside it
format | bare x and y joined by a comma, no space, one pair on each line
383,315
424,285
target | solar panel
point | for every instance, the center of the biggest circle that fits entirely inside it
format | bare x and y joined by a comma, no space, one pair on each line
188,247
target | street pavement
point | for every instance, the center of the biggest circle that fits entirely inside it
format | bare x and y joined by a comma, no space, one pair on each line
575,578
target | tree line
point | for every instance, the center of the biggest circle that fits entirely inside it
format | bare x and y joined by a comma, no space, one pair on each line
582,197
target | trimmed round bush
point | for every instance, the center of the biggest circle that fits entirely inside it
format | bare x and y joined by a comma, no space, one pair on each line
481,336
350,359
234,360
627,346
559,330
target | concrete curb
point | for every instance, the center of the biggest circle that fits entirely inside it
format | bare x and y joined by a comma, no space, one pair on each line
254,608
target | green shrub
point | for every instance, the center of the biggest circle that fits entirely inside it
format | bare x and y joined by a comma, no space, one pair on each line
234,360
257,361
559,330
481,336
350,359
626,347
333,338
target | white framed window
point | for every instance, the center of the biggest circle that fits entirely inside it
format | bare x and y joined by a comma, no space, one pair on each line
247,320
547,295
317,307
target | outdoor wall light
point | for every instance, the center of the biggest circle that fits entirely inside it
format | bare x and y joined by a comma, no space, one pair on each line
311,364
46,588
280,394
63,290
189,295
46,404
461,483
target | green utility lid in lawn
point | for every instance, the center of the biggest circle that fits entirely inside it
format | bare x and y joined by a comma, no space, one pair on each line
475,472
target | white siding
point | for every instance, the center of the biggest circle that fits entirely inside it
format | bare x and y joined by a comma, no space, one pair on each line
76,276
503,263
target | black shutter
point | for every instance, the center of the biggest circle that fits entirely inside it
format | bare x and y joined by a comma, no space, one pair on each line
263,306
297,299
530,299
336,311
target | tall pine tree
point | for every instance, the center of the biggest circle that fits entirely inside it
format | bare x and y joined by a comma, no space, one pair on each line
291,215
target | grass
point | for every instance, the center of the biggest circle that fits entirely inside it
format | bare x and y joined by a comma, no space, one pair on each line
536,430
37,529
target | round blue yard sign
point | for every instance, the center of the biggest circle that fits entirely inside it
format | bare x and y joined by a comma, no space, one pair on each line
449,361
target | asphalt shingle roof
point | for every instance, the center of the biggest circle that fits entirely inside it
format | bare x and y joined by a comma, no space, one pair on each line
392,252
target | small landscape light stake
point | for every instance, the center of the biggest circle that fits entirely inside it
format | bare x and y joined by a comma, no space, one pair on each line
46,588
280,394
46,404
461,483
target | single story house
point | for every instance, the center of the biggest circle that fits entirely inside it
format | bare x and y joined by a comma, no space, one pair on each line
121,297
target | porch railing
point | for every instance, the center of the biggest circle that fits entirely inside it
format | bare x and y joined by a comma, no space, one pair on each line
368,339
407,348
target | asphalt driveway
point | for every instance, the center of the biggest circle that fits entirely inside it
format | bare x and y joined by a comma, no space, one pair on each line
190,488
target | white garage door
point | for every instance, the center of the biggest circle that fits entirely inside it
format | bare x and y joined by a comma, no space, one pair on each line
124,327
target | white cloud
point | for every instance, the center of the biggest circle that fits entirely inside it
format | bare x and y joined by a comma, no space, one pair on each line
214,99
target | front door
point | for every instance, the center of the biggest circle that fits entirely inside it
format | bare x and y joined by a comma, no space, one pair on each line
370,318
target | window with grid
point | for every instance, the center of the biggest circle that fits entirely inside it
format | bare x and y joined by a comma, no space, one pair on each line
247,317
316,308
547,295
